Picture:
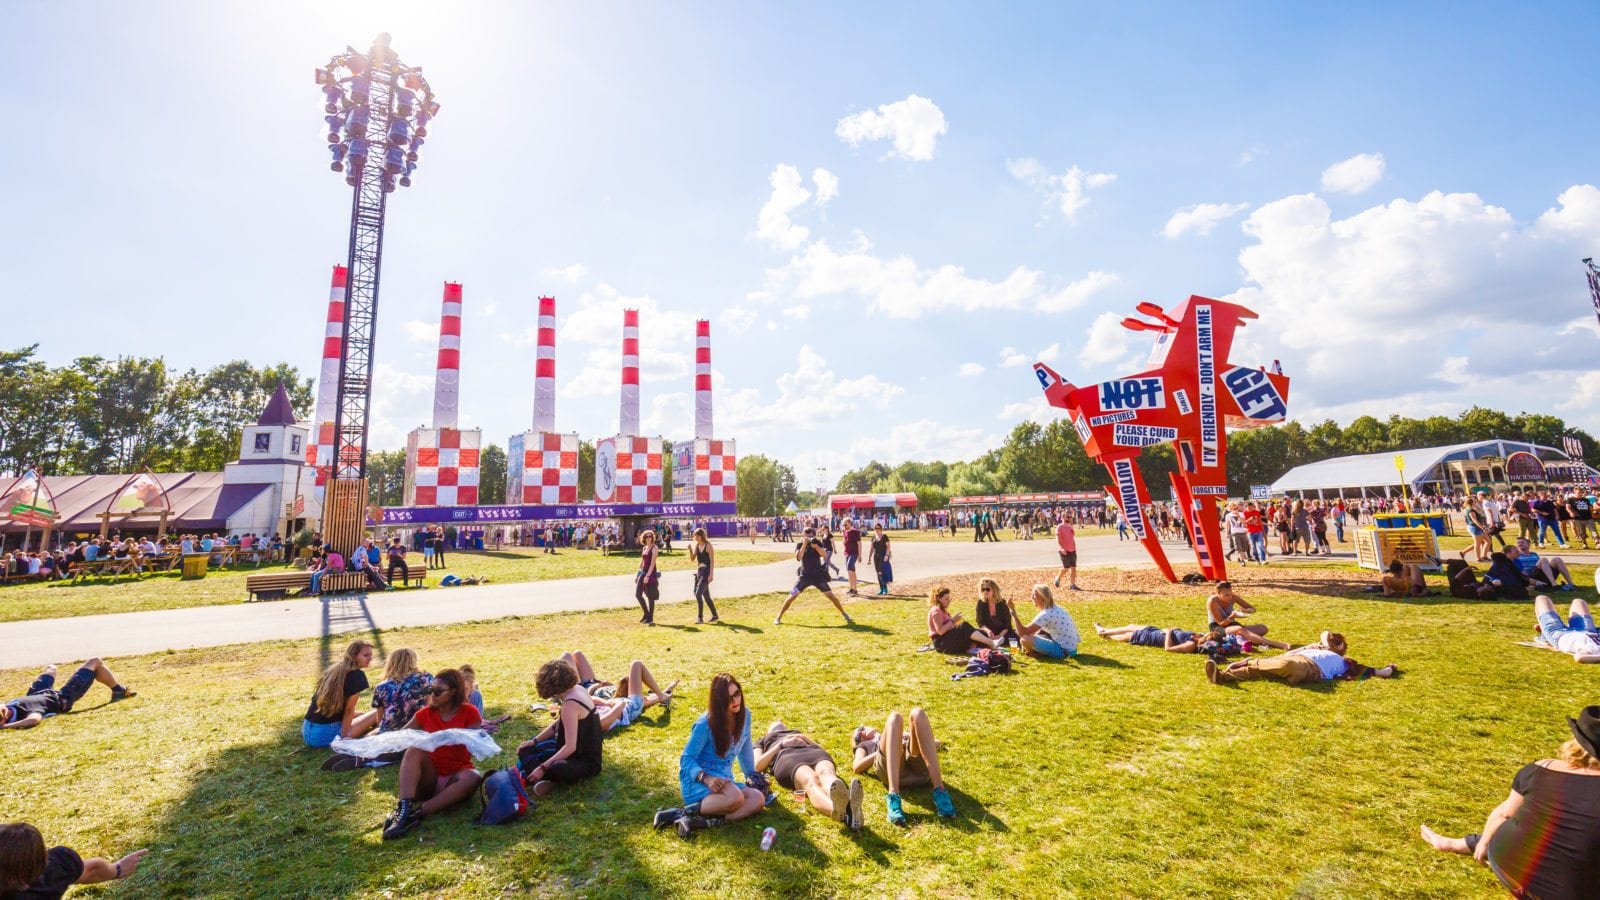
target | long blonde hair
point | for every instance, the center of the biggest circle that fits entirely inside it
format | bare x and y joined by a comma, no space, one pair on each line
1043,590
330,690
1573,754
991,583
401,663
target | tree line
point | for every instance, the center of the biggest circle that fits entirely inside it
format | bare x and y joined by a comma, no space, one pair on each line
1039,458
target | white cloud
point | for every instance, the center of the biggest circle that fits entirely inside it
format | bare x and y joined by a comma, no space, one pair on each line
1105,342
1011,357
810,396
404,403
913,125
827,185
1354,175
897,287
1251,154
1068,192
788,194
1201,218
1036,410
799,312
1048,354
571,274
488,310
970,369
419,332
1454,370
737,319
1077,293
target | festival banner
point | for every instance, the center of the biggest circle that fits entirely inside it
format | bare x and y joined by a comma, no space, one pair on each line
140,492
29,501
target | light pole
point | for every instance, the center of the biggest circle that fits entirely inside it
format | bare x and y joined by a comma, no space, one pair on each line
377,113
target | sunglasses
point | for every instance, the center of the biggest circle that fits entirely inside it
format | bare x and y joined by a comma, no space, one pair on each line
438,689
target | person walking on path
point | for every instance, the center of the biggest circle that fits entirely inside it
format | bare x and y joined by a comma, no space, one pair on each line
647,583
704,560
852,553
880,560
1067,548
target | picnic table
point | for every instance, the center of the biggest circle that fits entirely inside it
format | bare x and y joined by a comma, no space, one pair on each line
232,555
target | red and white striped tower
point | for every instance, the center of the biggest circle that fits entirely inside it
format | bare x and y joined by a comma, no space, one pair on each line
447,377
544,373
629,419
702,378
319,452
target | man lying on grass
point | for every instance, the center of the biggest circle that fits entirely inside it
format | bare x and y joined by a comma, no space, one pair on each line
1323,661
1575,636
43,700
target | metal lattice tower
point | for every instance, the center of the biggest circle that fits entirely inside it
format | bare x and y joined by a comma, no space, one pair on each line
368,127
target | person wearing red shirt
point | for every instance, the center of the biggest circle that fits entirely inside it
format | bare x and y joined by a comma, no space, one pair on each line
435,780
1067,547
1256,527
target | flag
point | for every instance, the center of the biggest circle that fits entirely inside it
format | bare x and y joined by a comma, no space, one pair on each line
1572,445
139,492
1594,285
28,501
299,505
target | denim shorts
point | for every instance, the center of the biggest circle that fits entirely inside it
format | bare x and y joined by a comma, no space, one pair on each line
1046,647
318,735
850,562
1552,626
632,708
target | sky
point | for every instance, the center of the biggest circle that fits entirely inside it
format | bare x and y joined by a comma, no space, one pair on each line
887,211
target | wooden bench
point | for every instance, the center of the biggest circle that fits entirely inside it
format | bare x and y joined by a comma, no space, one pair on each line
276,585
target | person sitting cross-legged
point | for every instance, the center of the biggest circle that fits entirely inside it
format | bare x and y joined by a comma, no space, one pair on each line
1543,840
44,700
571,745
431,781
1546,572
1223,609
1322,661
904,755
1052,634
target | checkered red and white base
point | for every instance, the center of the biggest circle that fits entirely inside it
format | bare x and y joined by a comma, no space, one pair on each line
442,467
715,471
635,470
542,468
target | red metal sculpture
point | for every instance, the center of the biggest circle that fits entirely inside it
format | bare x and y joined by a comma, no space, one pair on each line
1190,398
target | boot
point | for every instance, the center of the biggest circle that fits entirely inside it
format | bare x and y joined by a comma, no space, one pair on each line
402,821
691,823
666,817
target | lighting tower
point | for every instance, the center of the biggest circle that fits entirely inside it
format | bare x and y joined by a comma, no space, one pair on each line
378,109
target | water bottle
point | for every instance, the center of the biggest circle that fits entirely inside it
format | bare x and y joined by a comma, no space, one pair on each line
767,837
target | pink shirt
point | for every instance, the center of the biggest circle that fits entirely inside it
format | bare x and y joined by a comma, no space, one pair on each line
1067,538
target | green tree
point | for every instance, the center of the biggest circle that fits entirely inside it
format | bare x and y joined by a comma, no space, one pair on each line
492,475
758,486
861,480
386,476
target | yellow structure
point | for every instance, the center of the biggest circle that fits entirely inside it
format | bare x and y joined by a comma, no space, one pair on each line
1377,547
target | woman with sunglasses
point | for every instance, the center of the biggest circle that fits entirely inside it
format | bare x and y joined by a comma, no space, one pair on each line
435,780
994,614
705,772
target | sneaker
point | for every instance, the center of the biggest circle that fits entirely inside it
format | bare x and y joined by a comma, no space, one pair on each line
839,793
778,620
855,818
1058,582
665,817
897,815
688,825
341,762
1075,587
122,693
1213,674
848,622
943,803
852,593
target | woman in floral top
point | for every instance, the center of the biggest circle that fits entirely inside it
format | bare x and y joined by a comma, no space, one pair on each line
403,691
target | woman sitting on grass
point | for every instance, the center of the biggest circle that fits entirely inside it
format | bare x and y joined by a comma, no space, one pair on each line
1544,839
1052,634
30,872
576,733
994,614
333,707
434,780
1222,614
1172,640
705,771
1404,580
1505,579
403,691
946,631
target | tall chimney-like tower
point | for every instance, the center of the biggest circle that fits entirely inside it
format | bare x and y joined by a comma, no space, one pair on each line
702,378
319,451
447,378
629,419
544,373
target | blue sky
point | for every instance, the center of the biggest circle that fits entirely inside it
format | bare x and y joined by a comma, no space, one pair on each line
1403,194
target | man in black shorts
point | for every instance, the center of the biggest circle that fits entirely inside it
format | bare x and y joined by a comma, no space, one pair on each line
800,764
812,574
44,700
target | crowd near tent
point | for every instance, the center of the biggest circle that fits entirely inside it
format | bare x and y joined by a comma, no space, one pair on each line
1475,466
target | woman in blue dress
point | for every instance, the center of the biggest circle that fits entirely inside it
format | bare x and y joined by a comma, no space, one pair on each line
705,772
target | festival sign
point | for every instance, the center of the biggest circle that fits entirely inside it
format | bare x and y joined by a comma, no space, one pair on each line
524,513
1190,399
29,501
140,492
1524,467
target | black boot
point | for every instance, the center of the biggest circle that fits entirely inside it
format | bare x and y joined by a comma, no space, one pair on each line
691,823
403,820
666,817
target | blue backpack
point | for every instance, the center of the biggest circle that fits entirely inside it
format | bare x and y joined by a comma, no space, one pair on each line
505,797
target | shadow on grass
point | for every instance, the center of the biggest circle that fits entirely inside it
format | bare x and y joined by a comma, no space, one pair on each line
1090,659
971,815
344,614
856,627
733,626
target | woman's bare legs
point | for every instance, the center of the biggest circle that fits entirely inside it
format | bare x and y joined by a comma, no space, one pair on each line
817,783
733,802
891,741
923,745
1256,634
1117,634
580,663
639,678
980,636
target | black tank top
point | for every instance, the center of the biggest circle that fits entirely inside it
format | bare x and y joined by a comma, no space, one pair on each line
589,737
703,558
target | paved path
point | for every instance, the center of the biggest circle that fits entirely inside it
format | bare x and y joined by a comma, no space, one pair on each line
123,634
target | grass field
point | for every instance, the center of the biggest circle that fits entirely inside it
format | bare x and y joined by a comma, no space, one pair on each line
1122,773
21,602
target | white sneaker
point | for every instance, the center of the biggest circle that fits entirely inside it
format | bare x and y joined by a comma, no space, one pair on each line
839,793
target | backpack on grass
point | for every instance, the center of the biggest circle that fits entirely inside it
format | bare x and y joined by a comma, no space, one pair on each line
504,795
